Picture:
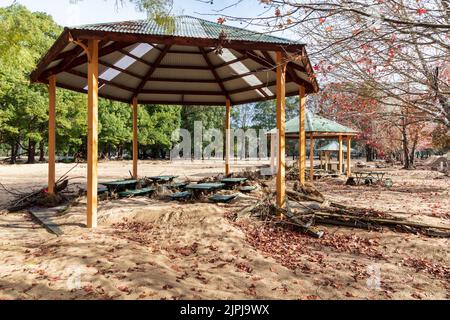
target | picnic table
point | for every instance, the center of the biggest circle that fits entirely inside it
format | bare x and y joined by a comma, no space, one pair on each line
378,176
233,182
164,178
200,188
120,185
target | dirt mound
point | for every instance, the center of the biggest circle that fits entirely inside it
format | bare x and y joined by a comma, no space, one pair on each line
434,163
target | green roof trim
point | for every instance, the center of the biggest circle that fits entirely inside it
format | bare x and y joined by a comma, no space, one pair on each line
186,26
316,124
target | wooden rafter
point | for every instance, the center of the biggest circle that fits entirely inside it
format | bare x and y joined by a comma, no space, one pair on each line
238,76
128,72
156,79
259,86
241,58
182,67
83,59
129,54
182,92
268,63
152,69
215,74
184,41
258,59
102,81
75,52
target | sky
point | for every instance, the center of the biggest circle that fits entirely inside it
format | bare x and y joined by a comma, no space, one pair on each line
66,13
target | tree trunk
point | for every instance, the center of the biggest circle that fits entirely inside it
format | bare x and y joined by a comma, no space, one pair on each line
31,151
407,161
369,153
413,149
13,158
41,151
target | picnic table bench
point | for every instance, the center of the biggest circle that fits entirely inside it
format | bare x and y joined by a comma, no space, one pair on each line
200,188
136,192
120,185
377,176
176,186
232,182
225,198
164,178
183,195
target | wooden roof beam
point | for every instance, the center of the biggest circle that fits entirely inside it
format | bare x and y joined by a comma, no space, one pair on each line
83,59
184,41
102,81
215,74
182,92
128,72
181,80
152,69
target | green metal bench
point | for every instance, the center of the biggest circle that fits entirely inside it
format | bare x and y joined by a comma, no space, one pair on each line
233,182
136,192
164,178
176,186
120,185
218,198
181,195
102,190
248,188
202,188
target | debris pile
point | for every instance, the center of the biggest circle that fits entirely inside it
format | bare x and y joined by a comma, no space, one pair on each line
306,207
24,200
41,197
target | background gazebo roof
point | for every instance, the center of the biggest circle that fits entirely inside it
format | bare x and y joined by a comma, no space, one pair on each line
183,60
334,146
316,124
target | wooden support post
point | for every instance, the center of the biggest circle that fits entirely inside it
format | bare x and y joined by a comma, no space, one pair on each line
51,133
272,152
227,136
135,138
321,159
301,136
311,157
341,155
281,96
92,168
327,160
349,172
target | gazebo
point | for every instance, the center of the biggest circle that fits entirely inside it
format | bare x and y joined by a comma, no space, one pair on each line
333,146
316,127
182,61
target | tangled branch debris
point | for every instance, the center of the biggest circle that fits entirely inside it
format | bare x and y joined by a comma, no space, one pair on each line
307,207
24,200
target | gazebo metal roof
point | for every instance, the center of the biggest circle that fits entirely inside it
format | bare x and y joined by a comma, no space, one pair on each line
334,146
317,125
183,61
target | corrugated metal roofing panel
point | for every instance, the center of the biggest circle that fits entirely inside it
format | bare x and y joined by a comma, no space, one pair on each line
185,26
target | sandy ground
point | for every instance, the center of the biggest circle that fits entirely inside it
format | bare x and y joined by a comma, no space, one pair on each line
151,249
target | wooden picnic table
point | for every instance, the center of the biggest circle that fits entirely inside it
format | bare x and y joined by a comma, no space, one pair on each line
200,188
378,176
120,185
233,182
